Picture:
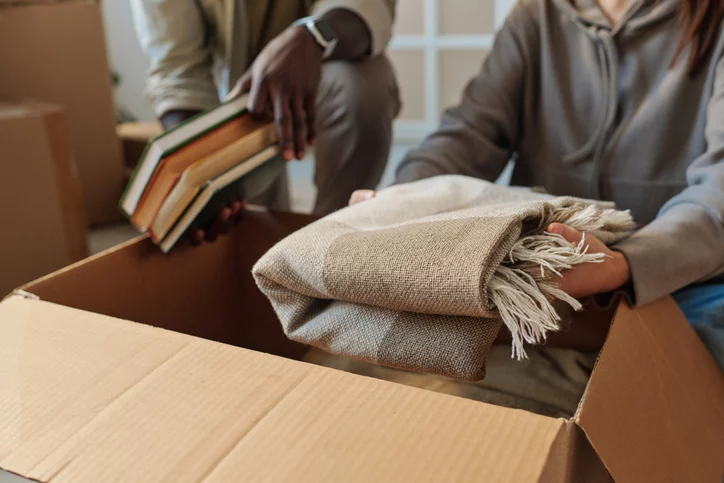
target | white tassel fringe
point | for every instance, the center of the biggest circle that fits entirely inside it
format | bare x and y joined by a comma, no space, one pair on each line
522,288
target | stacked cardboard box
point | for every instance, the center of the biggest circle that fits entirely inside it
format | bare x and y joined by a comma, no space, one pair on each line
55,51
41,208
88,396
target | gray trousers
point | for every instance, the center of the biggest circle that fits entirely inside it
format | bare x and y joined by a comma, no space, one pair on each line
356,104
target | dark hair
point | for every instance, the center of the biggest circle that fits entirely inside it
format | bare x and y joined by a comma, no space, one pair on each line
700,22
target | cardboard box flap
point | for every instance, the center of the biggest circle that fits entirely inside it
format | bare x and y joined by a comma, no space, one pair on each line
654,407
86,397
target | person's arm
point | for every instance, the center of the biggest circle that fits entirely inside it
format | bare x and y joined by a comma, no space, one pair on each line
173,34
685,243
479,135
284,78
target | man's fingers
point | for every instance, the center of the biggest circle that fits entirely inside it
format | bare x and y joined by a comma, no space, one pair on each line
219,225
310,110
283,121
571,235
237,210
235,92
361,195
236,207
299,125
258,97
197,237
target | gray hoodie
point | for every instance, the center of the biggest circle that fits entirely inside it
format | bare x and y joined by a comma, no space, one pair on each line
595,112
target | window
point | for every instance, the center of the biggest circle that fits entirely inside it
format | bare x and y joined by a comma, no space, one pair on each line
438,45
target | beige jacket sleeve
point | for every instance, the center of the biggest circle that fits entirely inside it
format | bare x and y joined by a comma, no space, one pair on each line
379,15
173,33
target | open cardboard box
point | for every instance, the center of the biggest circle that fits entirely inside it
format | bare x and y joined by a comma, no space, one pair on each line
86,395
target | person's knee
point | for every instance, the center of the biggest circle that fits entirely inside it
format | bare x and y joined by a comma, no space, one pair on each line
363,95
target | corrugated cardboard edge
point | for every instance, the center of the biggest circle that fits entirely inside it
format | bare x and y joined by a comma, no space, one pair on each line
572,459
665,421
27,288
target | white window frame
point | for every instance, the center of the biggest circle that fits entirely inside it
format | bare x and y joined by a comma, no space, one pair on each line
431,43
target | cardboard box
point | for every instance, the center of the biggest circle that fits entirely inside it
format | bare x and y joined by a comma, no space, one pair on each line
57,53
90,396
134,138
41,208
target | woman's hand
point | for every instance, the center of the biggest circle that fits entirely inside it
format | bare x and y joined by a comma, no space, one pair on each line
361,195
581,281
589,279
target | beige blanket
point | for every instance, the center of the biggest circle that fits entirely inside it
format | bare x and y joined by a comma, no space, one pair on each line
422,277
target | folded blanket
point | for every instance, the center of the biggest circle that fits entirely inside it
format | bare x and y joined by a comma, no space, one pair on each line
422,277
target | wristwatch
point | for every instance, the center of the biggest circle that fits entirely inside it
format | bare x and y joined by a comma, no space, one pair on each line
321,32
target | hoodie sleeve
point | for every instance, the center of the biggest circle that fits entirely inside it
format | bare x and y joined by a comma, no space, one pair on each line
378,15
685,243
478,136
173,33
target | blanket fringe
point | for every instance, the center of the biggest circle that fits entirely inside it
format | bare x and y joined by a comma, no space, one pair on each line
522,288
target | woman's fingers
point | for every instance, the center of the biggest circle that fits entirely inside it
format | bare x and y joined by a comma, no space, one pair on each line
361,195
571,235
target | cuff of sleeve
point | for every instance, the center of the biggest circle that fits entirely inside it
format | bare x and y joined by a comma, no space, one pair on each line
168,104
680,247
376,14
641,260
165,100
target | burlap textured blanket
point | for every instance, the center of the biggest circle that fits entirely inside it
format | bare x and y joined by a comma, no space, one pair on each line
422,277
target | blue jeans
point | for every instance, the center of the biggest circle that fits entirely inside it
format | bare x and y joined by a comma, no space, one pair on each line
703,306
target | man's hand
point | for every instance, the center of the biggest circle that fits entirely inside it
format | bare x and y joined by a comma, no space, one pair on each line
221,225
282,83
589,279
285,76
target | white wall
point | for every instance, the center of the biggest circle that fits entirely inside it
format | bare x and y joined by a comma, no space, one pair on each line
126,58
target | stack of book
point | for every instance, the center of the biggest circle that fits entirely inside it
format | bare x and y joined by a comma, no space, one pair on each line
188,174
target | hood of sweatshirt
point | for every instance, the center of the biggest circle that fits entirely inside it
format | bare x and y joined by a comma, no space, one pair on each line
640,14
